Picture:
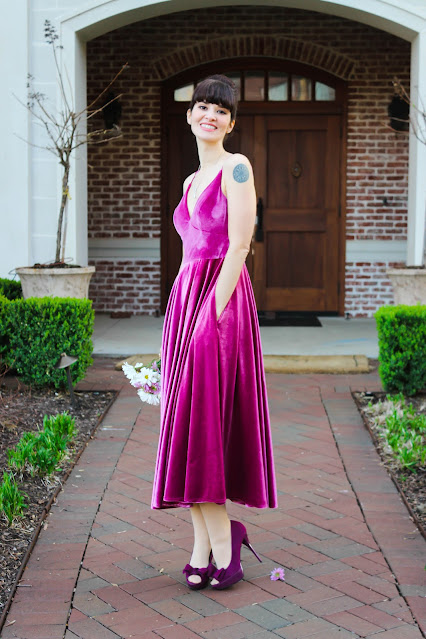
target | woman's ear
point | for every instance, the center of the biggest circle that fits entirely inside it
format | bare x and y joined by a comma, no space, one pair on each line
231,126
188,116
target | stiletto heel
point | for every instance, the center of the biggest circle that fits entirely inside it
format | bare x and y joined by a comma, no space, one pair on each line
234,572
248,545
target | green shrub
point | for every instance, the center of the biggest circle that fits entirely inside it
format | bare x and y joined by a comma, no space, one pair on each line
405,433
41,452
402,347
11,289
4,324
11,499
37,330
47,452
62,425
19,458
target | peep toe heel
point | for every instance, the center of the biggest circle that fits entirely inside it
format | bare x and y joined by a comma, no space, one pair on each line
234,572
203,573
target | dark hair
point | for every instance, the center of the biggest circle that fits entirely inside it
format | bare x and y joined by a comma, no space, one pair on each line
216,89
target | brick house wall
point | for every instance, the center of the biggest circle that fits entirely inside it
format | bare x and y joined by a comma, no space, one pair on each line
124,176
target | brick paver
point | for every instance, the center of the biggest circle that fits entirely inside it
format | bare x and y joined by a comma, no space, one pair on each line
106,566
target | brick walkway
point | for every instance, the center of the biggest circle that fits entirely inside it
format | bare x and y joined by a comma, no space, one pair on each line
106,566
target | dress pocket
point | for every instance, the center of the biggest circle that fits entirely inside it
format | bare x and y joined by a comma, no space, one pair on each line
224,311
222,314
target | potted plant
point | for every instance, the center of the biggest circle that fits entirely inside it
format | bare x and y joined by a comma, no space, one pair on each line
63,127
409,282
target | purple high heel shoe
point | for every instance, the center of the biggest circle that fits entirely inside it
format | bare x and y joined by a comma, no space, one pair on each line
234,572
203,573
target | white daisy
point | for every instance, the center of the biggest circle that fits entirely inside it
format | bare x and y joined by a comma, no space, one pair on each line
148,397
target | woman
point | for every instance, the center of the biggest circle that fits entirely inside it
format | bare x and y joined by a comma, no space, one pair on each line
215,441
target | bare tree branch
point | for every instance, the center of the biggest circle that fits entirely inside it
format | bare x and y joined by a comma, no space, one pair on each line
62,127
418,128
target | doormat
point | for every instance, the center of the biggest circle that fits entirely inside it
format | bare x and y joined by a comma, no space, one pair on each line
282,318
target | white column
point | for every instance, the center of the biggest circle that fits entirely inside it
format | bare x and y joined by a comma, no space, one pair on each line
74,59
14,153
417,158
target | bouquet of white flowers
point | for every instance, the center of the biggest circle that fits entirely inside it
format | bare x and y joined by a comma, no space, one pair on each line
147,379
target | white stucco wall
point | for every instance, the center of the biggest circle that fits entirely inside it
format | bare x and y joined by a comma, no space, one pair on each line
31,183
15,228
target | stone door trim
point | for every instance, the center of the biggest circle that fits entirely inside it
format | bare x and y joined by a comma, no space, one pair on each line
278,47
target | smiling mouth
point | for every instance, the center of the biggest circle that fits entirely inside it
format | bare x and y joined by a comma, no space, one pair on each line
208,127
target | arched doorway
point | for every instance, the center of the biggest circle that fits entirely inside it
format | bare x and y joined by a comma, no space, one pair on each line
291,125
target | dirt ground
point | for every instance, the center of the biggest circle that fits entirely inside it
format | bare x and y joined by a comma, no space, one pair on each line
412,484
23,410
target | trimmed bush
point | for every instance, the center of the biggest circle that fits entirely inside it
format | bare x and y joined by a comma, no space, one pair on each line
4,334
34,332
402,347
11,289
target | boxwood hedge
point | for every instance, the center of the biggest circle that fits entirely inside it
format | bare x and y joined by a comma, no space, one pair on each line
35,331
402,347
11,289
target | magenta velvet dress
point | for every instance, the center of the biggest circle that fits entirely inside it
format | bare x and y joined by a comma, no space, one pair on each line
215,440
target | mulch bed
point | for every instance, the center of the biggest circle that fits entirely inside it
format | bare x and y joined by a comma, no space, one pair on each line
23,409
412,485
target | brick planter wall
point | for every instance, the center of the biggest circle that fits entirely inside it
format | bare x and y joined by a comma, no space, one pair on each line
124,176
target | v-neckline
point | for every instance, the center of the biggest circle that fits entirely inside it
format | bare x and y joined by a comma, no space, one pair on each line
190,215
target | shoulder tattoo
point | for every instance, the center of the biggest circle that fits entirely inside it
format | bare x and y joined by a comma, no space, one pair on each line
240,173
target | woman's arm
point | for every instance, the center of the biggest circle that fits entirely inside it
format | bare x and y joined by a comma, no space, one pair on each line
241,195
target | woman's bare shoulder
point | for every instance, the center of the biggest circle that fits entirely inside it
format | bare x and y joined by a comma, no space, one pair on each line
235,158
237,167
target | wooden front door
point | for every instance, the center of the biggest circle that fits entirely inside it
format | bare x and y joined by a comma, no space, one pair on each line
296,262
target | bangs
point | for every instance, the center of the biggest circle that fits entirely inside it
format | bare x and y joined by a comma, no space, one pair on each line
214,93
218,90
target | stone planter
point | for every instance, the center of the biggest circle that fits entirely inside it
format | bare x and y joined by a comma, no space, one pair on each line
409,285
55,282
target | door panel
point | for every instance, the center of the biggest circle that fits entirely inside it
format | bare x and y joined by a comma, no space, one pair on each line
294,245
297,176
293,174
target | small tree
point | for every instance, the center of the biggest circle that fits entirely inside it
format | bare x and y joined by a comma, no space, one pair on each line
406,114
63,127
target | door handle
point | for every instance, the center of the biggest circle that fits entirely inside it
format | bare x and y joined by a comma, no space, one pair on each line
258,237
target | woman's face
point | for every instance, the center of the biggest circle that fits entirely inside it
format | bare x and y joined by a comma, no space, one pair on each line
210,122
